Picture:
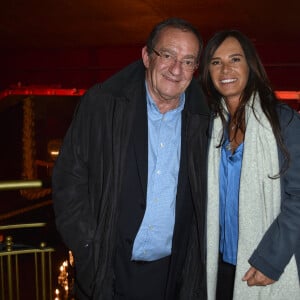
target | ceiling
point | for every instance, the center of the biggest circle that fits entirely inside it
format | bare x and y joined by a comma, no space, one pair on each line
94,23
39,40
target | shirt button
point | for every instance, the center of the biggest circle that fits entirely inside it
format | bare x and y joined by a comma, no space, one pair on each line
162,145
158,172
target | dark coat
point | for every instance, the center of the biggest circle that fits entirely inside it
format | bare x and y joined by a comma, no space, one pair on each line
87,179
282,239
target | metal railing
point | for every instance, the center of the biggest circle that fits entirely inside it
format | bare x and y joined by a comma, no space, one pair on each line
25,268
20,184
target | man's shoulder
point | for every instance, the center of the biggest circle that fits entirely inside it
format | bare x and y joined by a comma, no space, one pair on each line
196,101
121,86
121,83
130,75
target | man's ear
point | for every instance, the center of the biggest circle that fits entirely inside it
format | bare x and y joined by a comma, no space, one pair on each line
145,57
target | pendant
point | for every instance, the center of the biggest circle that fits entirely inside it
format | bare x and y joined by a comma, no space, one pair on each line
228,147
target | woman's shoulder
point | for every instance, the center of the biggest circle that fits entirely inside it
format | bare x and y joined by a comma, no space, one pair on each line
287,115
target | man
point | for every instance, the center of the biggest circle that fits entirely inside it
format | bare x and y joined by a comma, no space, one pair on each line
129,183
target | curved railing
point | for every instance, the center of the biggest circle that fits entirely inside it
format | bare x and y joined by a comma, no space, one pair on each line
22,265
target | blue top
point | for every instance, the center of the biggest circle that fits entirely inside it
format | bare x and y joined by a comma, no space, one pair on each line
154,238
230,172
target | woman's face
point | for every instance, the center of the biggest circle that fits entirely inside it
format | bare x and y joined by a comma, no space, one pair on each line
229,69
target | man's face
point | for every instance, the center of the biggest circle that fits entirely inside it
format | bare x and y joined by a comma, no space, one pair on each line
168,79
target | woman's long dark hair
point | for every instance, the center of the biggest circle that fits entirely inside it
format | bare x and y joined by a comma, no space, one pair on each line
258,82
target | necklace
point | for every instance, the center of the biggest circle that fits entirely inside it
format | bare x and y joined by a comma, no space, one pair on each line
228,147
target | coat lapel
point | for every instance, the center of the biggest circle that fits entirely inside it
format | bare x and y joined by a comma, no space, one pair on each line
140,139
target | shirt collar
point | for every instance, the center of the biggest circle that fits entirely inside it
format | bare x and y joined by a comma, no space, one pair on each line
153,107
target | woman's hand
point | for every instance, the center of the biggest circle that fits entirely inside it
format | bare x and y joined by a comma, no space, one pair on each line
255,277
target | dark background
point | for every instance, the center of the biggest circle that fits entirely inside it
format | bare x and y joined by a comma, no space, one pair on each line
52,45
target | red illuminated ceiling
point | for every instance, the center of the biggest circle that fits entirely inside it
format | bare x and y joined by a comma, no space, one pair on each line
77,43
94,23
50,91
290,97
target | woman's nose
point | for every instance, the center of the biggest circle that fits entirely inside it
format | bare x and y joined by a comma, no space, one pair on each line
225,68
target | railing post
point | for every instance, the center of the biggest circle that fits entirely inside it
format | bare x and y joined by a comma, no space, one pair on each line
43,270
8,244
10,268
2,277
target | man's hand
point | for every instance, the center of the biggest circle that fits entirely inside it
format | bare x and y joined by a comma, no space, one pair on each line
255,277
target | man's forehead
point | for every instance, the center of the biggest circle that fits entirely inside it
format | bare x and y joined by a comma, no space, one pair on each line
171,37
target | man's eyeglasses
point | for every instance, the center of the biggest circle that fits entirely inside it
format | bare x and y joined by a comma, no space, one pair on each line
188,64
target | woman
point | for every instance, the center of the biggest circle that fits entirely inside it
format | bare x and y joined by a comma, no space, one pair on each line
253,177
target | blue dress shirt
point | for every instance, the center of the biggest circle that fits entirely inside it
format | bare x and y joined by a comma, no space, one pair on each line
154,238
230,172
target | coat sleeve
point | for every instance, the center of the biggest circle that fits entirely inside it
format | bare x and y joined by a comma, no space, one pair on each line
282,239
71,201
